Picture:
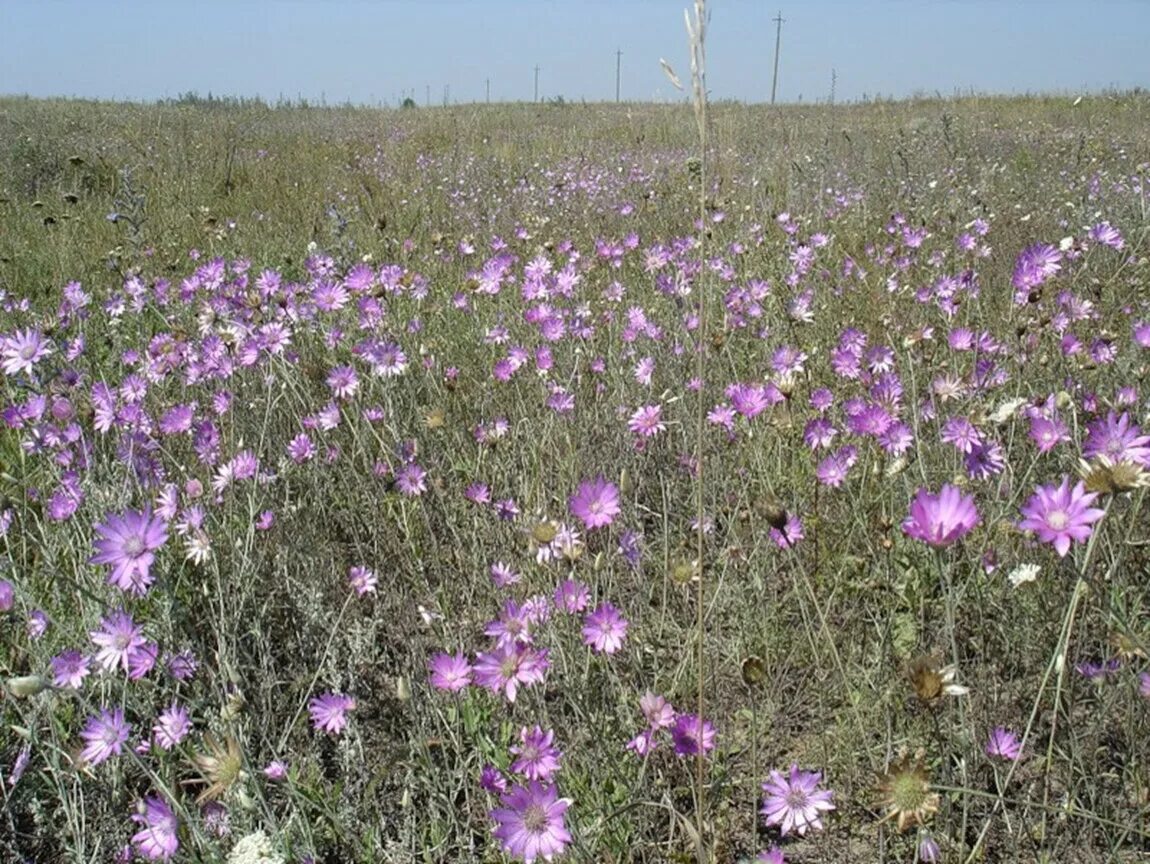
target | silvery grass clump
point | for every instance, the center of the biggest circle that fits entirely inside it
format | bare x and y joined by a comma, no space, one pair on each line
382,558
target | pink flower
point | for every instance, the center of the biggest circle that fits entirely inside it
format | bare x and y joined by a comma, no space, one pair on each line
104,736
691,734
795,803
940,520
171,726
276,771
129,543
158,839
1004,744
450,672
362,579
22,350
647,421
509,666
596,503
605,629
1060,515
69,669
572,596
329,712
118,641
535,757
530,823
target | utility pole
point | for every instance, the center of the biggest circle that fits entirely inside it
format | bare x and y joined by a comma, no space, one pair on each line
446,94
778,19
488,82
536,82
427,97
618,69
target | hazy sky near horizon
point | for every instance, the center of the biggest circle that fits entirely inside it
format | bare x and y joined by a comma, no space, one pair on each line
377,51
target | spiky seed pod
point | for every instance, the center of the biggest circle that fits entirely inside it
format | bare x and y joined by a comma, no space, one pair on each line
904,790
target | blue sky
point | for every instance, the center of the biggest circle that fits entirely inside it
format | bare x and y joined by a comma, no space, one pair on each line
370,51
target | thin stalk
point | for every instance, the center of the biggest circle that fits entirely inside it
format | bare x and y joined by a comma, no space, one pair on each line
696,33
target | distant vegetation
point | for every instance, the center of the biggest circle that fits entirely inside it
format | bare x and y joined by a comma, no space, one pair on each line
348,463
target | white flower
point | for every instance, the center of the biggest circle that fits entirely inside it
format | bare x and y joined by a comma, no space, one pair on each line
254,849
1023,573
1006,410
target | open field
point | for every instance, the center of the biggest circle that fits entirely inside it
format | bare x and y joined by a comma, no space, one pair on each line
346,453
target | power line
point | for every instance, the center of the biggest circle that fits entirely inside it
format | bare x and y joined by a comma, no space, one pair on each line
778,19
618,70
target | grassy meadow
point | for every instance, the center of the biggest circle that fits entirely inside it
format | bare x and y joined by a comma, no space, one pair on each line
352,464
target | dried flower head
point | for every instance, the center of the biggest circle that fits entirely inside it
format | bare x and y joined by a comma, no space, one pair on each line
221,767
904,790
1104,476
932,681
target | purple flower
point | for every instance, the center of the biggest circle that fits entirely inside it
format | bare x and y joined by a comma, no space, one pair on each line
631,547
1098,672
343,382
491,779
928,851
69,669
647,421
7,594
791,533
141,661
301,448
37,624
511,626
450,672
1107,235
129,543
795,803
1118,440
19,766
774,855
509,666
572,596
605,629
362,580
530,823
171,726
940,520
410,480
329,712
104,736
1060,515
1003,744
22,350
595,503
1034,266
275,771
832,471
503,575
1144,684
478,493
183,665
158,839
535,757
1047,432
691,734
119,639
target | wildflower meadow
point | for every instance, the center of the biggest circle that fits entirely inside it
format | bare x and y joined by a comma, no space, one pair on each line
591,483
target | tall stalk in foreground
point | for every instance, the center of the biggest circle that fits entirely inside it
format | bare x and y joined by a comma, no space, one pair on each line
696,33
696,37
